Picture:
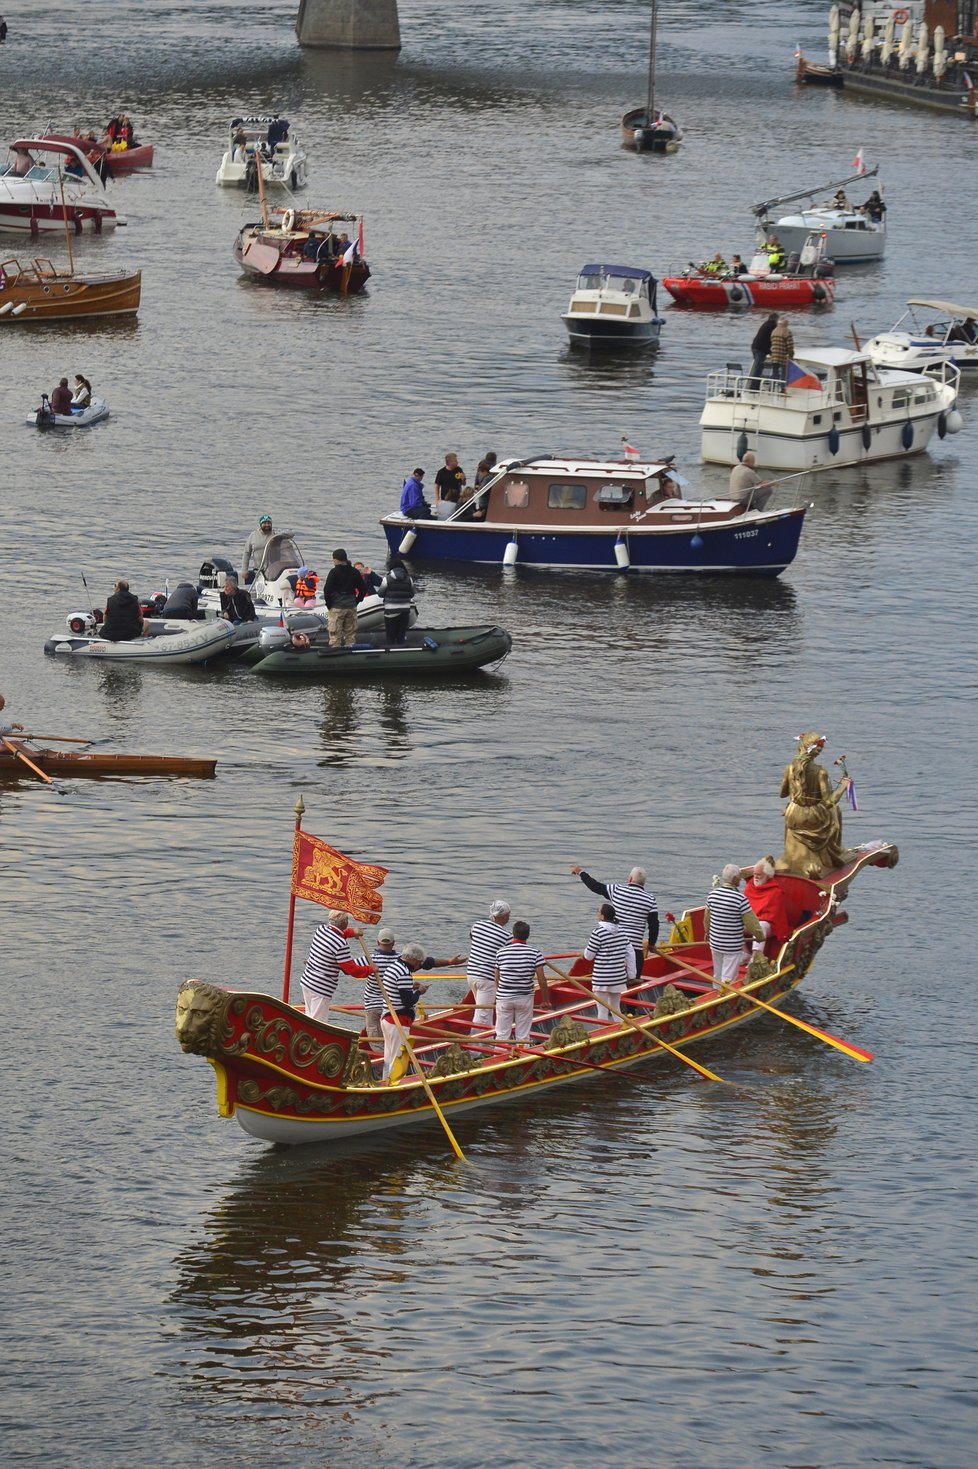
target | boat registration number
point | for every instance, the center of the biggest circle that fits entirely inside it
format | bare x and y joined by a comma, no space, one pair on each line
743,535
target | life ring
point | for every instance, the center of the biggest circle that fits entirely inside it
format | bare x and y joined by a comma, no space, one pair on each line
900,17
288,221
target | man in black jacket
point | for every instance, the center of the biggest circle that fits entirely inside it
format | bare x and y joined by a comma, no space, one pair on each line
123,619
343,589
761,348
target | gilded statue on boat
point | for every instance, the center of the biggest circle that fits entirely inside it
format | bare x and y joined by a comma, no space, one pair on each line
812,819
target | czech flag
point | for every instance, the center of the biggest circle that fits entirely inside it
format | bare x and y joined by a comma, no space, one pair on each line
800,377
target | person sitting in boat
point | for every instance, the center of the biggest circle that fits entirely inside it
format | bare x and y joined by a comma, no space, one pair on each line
746,486
716,266
370,578
413,503
840,201
775,253
61,398
874,208
7,729
767,900
306,587
123,618
182,601
236,603
82,396
737,266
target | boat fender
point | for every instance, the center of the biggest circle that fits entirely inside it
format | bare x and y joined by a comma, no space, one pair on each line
511,552
6,310
942,426
735,293
741,447
906,435
697,542
867,435
621,554
19,310
288,221
407,541
833,440
955,423
818,292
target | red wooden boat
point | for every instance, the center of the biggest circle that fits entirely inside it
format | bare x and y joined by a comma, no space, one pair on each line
693,288
97,763
305,249
289,1079
121,160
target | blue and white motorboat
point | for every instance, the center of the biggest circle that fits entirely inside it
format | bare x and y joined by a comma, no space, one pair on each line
600,515
614,306
929,334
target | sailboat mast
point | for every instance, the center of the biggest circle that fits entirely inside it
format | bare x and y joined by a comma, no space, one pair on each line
261,187
650,101
64,216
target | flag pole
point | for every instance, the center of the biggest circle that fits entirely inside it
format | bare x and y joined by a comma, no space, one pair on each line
300,806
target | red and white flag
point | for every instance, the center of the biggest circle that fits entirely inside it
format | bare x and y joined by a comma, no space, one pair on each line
349,253
858,163
628,450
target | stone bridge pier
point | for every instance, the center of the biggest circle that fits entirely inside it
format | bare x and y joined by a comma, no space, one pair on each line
349,25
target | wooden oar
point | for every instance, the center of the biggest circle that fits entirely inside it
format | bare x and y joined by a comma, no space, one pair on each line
645,1034
64,739
414,1060
16,750
856,1052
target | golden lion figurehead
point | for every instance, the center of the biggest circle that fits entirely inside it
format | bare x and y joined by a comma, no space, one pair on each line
200,1014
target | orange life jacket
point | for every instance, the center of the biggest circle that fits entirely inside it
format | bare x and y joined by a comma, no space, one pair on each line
306,586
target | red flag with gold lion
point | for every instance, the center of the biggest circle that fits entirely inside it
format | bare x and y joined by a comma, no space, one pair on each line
323,875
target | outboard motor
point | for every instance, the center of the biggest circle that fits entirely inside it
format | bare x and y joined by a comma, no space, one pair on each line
825,268
251,176
213,570
81,623
44,417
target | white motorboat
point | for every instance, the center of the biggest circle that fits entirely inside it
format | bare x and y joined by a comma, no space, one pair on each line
837,407
928,335
176,642
48,183
45,418
851,234
268,142
613,306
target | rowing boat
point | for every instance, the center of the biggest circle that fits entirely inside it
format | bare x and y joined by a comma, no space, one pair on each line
96,763
288,1079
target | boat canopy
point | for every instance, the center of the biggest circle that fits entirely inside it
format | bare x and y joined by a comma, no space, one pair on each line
947,306
630,272
826,357
259,118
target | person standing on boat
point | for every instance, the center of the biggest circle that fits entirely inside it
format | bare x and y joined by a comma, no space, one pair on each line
612,961
761,348
329,954
413,503
727,919
256,549
397,590
746,486
236,603
487,937
342,590
636,908
782,350
775,254
382,958
767,900
61,398
402,999
123,619
519,967
448,484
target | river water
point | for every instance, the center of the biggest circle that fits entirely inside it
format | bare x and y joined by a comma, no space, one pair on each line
777,1272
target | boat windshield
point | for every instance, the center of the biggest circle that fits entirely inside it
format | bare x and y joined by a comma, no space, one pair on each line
626,284
590,282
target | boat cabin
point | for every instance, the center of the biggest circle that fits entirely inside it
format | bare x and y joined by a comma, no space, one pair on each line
614,291
831,378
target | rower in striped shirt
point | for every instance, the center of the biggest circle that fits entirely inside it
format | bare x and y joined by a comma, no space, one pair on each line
727,917
612,962
329,954
518,966
402,997
487,937
637,910
382,957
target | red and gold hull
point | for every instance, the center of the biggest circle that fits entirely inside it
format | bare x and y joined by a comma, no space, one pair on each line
288,1079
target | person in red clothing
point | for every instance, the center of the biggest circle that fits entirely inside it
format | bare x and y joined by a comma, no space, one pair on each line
61,398
764,895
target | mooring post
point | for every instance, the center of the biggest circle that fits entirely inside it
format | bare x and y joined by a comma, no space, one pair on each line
349,25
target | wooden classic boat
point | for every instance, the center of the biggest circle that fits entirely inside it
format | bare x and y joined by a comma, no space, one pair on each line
433,652
40,292
47,181
813,74
648,129
837,407
289,1079
99,764
304,249
600,515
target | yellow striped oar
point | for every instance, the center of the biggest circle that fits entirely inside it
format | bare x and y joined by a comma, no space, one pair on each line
16,750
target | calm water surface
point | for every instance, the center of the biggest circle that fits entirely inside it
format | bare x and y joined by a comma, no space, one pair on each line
775,1273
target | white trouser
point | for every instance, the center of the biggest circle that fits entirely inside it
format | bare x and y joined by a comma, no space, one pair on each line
485,998
726,966
604,996
372,1019
766,930
317,1006
514,1010
392,1042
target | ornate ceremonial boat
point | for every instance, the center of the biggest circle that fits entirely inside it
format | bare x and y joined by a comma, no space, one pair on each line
289,1079
98,764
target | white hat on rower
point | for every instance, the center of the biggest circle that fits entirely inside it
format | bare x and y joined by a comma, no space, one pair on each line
385,935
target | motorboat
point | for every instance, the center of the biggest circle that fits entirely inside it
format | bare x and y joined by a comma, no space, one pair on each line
601,515
648,129
430,652
264,146
836,407
851,235
306,249
927,335
44,417
815,74
110,160
198,642
805,281
277,609
613,306
47,181
40,292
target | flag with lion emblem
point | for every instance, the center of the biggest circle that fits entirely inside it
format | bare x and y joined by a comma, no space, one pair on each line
323,875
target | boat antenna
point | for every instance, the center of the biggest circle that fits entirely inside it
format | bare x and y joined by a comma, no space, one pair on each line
64,215
91,604
650,100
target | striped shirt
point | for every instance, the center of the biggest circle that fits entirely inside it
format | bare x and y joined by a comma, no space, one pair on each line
633,905
381,959
613,956
517,966
326,952
726,907
487,939
399,984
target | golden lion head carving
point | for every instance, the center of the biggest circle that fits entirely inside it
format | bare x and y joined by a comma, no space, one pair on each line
200,1014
